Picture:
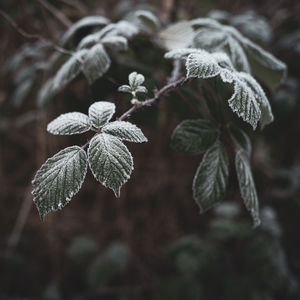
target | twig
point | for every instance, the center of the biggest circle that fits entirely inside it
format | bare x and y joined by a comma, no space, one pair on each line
57,14
158,95
162,92
33,35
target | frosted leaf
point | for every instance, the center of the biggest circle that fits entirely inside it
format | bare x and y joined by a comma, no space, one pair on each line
46,93
125,131
210,181
206,22
177,36
126,29
135,79
223,60
70,123
266,111
84,22
101,112
110,161
125,88
59,179
148,20
265,60
194,136
89,41
96,63
227,76
202,65
69,70
209,39
264,57
141,89
244,104
247,185
22,91
179,53
115,42
240,139
238,55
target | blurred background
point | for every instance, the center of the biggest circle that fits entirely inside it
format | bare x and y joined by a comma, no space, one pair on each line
151,243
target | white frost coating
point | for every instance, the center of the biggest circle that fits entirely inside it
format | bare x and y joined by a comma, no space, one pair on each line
69,123
247,185
59,179
266,111
84,22
148,18
135,79
126,29
110,161
179,53
209,39
177,36
69,70
125,131
211,178
238,56
115,42
89,41
101,112
202,65
244,104
206,22
96,63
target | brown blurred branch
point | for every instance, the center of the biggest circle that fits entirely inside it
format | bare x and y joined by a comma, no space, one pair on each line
33,35
56,13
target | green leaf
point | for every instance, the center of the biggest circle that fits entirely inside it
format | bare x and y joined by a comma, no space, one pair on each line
247,185
209,39
264,65
244,103
238,55
194,136
211,178
202,64
135,79
148,20
46,93
176,36
84,22
96,63
141,89
125,88
70,123
101,112
59,179
69,70
179,53
260,96
240,138
110,161
125,131
118,43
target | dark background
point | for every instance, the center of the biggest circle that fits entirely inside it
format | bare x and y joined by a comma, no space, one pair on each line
151,243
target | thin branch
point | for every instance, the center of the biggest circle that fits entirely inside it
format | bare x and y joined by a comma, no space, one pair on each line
158,95
56,13
162,92
33,35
